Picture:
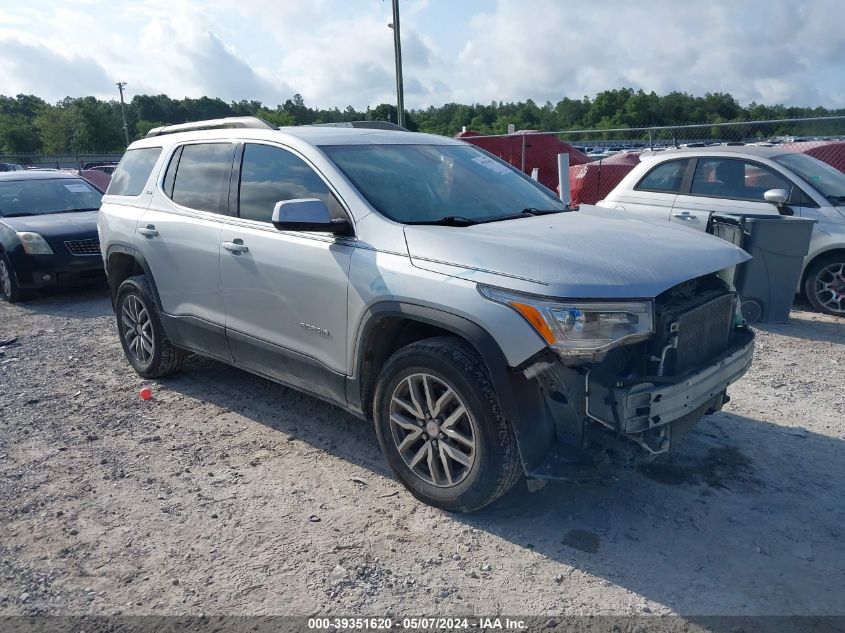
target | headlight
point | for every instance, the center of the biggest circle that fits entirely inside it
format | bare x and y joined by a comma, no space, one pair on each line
34,244
580,330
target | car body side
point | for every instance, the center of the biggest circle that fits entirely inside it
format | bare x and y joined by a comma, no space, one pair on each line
828,234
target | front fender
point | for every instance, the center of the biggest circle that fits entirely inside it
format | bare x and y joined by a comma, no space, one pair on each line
520,399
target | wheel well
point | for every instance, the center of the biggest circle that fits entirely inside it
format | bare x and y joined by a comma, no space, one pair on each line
826,254
387,336
121,266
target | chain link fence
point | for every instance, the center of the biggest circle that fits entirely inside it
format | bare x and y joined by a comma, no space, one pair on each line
59,161
600,158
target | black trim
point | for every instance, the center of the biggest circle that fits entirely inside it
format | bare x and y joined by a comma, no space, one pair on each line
196,335
519,398
235,181
287,367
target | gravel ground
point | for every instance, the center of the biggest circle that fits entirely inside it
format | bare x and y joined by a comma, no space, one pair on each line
226,493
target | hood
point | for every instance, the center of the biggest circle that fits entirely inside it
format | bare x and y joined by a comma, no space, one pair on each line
586,254
55,224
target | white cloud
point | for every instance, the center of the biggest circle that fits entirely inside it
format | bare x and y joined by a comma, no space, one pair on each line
336,52
757,50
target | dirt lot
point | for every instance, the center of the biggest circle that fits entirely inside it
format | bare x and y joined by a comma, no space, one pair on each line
229,494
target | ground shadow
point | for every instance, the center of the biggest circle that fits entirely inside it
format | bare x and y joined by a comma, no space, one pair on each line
808,329
746,517
77,302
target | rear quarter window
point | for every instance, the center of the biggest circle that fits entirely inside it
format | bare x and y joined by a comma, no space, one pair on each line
201,179
133,171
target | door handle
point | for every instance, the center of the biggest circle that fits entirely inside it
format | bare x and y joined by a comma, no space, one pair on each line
149,231
686,215
236,246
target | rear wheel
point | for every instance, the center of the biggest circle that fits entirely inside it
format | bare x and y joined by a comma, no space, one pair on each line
144,342
440,427
9,290
825,285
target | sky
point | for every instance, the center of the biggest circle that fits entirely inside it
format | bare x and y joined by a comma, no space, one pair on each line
340,52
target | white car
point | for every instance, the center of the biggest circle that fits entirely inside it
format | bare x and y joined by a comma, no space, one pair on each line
686,185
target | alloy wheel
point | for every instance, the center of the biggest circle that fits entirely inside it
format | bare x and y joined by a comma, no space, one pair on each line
829,287
433,430
137,329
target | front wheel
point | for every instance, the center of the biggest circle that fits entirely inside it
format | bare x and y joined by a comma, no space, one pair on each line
825,285
142,337
439,425
9,290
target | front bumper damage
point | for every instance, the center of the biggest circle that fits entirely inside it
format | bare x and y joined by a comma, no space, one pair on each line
656,414
602,421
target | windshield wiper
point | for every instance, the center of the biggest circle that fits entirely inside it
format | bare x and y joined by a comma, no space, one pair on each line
77,210
14,215
449,220
527,212
536,211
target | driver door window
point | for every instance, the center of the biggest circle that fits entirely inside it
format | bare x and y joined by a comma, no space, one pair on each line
270,174
735,179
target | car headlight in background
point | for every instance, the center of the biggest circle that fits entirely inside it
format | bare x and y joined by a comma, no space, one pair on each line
580,330
34,244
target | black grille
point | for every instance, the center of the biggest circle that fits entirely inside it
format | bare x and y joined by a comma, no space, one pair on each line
704,332
84,247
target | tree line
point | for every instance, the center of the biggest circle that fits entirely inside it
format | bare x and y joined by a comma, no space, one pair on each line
28,124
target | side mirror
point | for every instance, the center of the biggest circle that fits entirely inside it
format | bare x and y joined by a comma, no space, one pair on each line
776,196
307,214
779,198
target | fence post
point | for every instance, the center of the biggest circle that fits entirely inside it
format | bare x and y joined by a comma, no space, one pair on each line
651,139
522,163
563,177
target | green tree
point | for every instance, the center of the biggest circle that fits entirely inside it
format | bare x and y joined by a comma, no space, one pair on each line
17,135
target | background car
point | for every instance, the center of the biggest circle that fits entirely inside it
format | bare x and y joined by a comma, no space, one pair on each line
48,231
687,185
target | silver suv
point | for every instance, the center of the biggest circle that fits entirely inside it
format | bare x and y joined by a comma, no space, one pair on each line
487,330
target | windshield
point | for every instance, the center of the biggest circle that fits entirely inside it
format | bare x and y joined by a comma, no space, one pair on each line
41,196
430,183
827,180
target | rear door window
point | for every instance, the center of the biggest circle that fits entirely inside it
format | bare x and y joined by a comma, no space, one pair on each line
133,171
665,177
202,176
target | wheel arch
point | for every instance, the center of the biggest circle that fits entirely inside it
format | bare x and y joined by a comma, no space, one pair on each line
123,262
834,251
387,326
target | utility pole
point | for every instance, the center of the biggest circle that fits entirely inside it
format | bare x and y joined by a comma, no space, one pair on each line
120,86
397,50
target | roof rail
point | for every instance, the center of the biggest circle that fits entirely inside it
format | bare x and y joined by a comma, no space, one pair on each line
214,124
372,125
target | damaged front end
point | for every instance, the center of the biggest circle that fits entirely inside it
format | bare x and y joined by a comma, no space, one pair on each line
640,399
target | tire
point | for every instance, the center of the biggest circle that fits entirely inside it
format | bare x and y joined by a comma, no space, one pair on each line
474,459
9,290
149,351
825,285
